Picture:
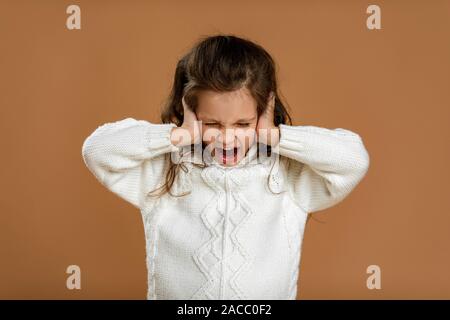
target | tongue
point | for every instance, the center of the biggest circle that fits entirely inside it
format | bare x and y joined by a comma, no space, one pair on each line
228,153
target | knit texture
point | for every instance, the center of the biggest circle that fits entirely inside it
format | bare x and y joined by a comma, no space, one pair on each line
234,232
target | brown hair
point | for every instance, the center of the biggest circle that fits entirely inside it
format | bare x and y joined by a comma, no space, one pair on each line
221,63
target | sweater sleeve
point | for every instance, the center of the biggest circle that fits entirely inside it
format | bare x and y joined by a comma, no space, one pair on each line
127,156
325,165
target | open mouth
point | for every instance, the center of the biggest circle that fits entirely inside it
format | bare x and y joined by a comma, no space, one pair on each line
228,155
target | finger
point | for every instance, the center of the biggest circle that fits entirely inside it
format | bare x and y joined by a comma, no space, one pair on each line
271,98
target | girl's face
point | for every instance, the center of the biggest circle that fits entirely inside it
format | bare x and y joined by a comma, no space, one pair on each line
228,122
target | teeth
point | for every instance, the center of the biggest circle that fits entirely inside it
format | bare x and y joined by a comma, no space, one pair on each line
229,149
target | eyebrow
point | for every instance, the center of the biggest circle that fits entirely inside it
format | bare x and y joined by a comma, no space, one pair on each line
240,120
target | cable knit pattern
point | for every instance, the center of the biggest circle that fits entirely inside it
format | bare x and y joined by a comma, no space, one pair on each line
234,232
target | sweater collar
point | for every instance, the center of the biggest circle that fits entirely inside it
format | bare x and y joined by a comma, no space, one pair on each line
214,172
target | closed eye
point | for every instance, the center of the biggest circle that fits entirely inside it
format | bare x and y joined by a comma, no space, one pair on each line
239,124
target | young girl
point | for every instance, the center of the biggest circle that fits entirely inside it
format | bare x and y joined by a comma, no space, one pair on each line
225,184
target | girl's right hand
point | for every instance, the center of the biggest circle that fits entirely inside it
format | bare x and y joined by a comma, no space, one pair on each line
189,132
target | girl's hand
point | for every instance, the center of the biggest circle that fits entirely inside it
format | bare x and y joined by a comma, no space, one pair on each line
189,132
191,123
266,130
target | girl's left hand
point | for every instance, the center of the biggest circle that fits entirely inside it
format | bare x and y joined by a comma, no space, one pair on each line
266,130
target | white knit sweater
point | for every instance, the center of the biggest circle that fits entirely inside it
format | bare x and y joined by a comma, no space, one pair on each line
238,233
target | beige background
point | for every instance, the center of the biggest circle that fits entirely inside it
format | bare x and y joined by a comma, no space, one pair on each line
391,86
